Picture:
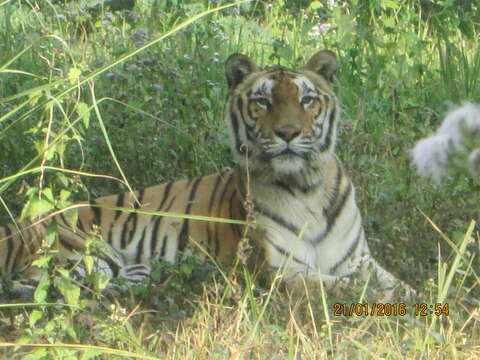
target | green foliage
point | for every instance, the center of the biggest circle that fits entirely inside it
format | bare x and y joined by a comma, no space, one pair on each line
74,89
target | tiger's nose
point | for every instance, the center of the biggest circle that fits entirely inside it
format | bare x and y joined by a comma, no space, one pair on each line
287,132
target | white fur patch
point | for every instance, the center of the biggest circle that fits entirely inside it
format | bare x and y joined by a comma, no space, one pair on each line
288,164
263,86
305,87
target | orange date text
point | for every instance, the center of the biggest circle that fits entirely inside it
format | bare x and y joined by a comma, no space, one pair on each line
390,309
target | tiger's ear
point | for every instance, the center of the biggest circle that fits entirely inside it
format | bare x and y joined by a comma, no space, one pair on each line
237,67
323,63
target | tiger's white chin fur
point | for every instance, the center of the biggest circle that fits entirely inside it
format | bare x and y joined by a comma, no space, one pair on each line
288,164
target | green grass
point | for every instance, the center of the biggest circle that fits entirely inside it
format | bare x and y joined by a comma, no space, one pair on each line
68,72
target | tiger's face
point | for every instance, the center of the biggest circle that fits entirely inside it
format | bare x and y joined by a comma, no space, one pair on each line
283,119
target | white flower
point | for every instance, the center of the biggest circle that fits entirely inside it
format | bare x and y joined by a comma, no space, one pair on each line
319,28
474,162
430,155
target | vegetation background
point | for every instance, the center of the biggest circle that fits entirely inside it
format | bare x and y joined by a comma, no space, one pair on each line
129,89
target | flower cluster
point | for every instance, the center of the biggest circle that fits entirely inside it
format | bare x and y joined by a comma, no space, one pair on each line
431,155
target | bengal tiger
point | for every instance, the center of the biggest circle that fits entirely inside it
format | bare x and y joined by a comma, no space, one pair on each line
282,124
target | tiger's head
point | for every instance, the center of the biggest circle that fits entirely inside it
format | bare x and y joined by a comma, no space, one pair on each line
284,119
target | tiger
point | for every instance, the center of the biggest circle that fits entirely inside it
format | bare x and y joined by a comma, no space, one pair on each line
282,124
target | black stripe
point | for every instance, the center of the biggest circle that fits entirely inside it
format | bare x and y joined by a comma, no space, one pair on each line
235,120
158,219
285,253
154,236
306,88
110,234
240,105
119,203
219,208
19,255
319,112
285,187
164,246
336,188
332,212
80,224
209,213
349,252
309,187
234,227
140,249
183,236
166,193
68,245
126,235
65,222
209,238
328,137
8,262
112,264
250,128
236,140
136,267
277,218
156,225
97,214
214,194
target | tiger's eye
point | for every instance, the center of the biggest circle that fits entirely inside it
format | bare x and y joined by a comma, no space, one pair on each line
307,100
262,102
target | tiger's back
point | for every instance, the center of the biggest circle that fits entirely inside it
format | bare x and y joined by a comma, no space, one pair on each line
143,237
140,238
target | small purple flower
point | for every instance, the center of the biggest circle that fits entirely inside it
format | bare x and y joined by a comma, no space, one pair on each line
139,34
147,61
132,68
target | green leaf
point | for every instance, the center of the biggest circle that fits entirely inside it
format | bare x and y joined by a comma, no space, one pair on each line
64,273
84,113
34,96
34,316
74,75
314,5
41,291
42,261
25,339
70,291
392,4
36,354
40,147
62,179
64,195
48,194
51,234
88,261
100,281
72,217
38,207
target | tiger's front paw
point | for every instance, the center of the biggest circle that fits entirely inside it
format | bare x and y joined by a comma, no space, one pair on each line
302,284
